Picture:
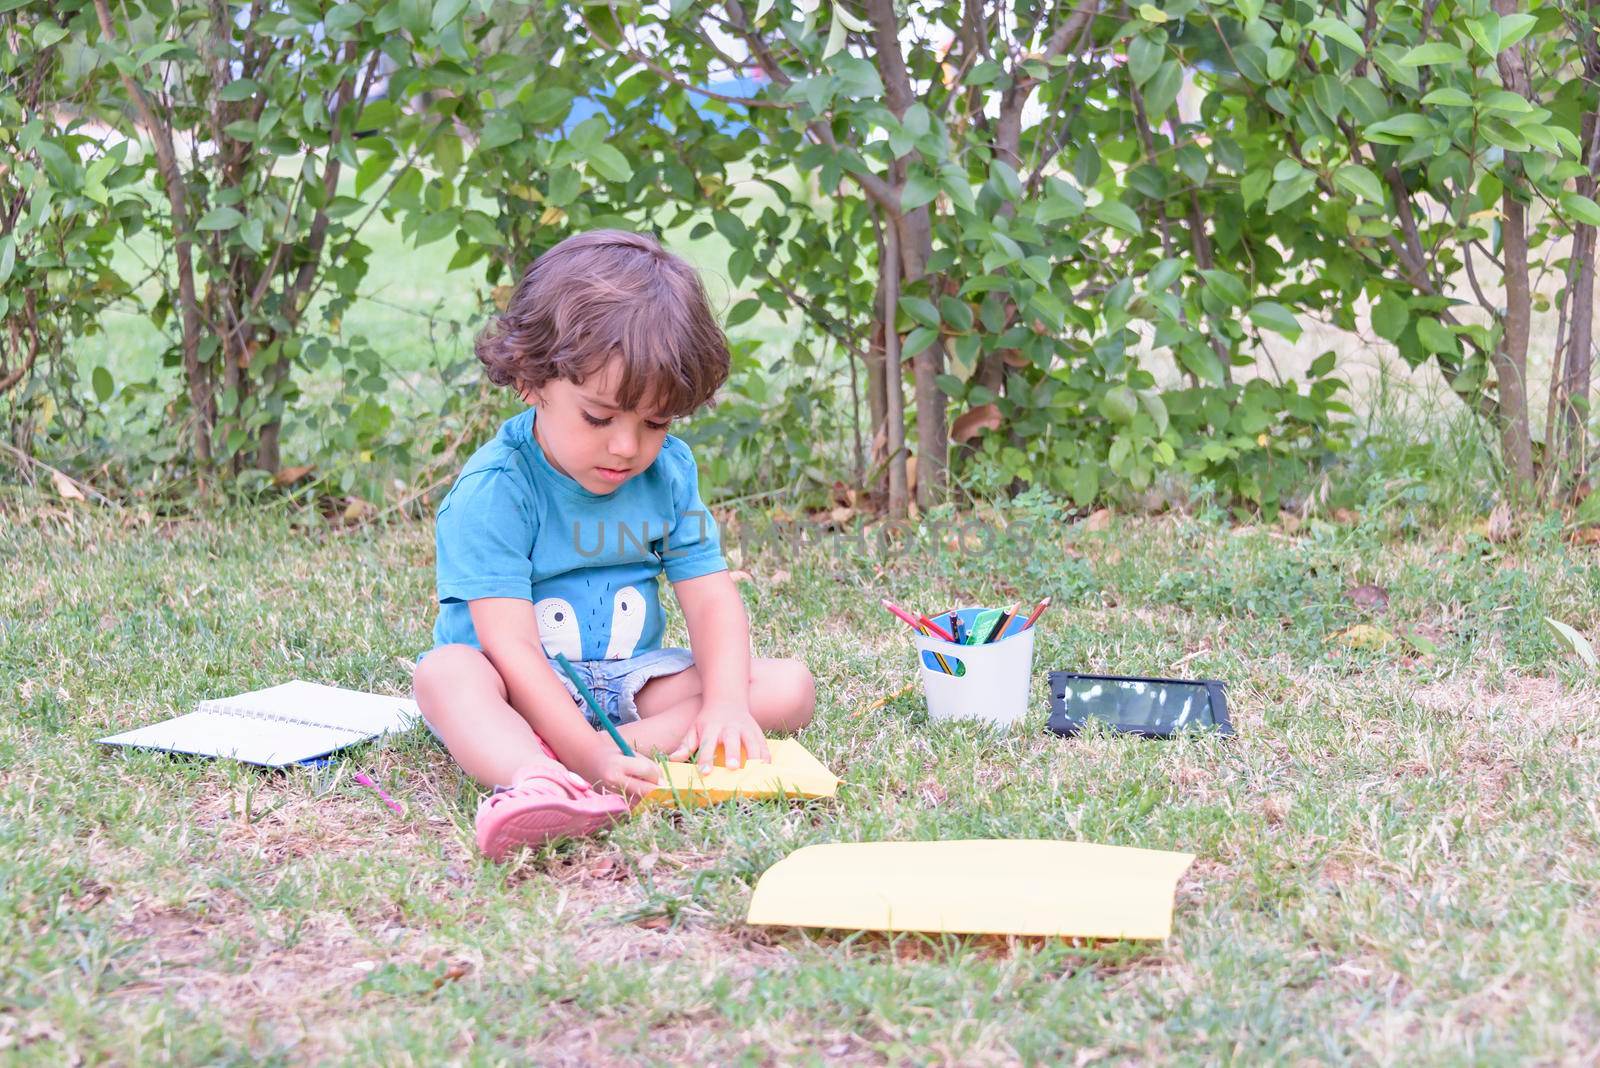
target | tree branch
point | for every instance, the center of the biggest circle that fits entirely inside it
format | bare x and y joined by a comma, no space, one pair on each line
877,190
17,374
897,92
177,197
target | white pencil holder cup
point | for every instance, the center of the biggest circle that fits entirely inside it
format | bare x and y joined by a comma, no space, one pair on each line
989,682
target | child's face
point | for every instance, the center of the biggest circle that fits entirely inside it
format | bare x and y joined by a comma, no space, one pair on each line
588,438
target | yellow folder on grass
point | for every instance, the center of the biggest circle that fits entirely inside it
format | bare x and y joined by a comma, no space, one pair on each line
792,772
979,886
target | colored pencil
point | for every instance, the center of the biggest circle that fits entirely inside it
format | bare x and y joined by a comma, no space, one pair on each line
594,706
902,614
943,663
1037,612
1004,622
905,616
365,780
934,629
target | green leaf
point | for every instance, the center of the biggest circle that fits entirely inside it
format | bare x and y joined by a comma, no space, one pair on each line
447,11
838,33
1119,404
1271,315
921,311
46,34
1506,102
376,115
1448,96
1322,364
1365,101
1358,180
843,14
1117,214
1156,407
1435,338
918,340
1061,200
1225,285
1566,139
742,311
1163,89
1006,249
1486,31
548,106
1498,132
1540,136
1399,129
1432,53
500,129
1201,361
342,18
564,185
1163,275
1390,316
8,258
588,133
1254,185
1514,28
610,163
957,313
921,187
372,168
415,15
1340,32
220,219
1581,208
103,385
1286,169
1005,179
253,234
1286,193
1327,91
447,153
953,180
240,89
1144,56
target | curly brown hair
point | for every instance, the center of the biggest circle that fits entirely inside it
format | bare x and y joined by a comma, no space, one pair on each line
604,294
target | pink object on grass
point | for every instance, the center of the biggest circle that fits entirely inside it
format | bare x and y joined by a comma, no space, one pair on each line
362,778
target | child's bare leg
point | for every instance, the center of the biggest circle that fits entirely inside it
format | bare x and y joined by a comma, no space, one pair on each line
782,698
463,698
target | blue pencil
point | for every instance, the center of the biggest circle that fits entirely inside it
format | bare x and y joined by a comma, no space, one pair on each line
605,720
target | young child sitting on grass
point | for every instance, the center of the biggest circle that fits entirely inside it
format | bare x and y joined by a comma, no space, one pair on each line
551,541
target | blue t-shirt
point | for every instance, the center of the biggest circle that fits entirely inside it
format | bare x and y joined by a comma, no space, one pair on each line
514,526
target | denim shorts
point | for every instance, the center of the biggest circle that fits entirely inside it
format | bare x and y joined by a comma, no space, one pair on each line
615,683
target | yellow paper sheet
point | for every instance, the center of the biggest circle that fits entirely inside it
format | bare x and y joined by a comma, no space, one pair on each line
793,772
1073,889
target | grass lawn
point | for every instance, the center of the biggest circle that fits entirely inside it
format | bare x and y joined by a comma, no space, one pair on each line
1398,853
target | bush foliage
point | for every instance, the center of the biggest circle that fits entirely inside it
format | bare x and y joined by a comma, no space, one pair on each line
1071,229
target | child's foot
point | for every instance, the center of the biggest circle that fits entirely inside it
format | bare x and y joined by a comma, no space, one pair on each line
544,802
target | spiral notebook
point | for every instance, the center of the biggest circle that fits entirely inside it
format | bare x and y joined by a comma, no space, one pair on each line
277,726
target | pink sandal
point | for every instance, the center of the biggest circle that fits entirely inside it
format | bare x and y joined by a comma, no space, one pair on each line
544,802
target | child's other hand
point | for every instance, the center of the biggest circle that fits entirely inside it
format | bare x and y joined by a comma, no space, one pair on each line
730,726
632,776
